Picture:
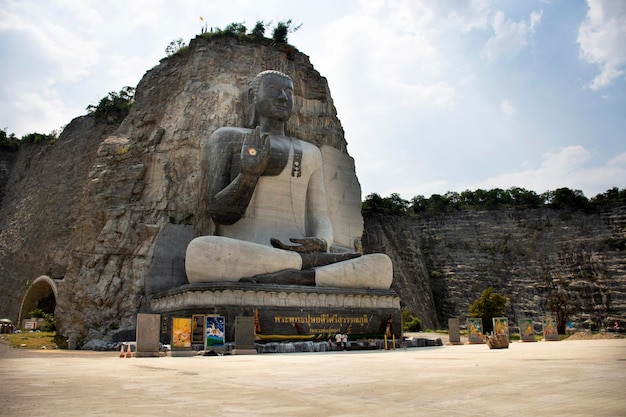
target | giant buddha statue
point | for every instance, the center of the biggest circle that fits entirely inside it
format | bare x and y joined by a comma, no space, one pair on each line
266,195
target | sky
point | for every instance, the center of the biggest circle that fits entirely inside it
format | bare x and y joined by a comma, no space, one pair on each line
433,96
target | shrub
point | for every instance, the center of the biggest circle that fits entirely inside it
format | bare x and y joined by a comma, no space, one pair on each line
8,142
282,31
436,274
238,30
488,306
39,138
415,325
258,32
49,320
176,46
114,107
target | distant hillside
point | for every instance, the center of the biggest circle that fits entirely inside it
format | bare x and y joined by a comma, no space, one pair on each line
443,261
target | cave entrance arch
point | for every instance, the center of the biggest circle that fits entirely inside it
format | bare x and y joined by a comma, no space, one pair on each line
42,294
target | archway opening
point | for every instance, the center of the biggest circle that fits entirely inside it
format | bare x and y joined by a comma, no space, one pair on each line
42,294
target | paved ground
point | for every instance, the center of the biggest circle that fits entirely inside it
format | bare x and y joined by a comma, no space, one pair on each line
568,378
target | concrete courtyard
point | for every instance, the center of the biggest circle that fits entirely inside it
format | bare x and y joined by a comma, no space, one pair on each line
567,378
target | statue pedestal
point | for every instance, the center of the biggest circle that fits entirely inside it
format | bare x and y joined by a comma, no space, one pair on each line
287,312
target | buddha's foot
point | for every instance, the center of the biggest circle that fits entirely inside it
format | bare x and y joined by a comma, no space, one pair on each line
284,277
313,259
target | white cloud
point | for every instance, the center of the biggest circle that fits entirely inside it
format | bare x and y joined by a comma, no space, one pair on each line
565,168
508,108
618,160
474,17
510,37
390,52
40,113
45,53
602,40
392,67
68,55
408,191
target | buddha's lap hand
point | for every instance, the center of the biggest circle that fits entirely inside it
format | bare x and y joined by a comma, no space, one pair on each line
255,153
303,245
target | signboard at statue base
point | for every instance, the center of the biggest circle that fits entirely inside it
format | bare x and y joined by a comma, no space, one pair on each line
197,332
181,336
215,331
501,326
475,330
550,332
526,332
279,324
322,324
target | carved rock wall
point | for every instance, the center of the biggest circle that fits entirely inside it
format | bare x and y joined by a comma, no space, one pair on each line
42,190
147,174
443,262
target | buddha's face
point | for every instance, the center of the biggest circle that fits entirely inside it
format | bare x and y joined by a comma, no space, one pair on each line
274,98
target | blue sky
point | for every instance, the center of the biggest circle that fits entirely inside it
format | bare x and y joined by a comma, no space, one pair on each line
434,96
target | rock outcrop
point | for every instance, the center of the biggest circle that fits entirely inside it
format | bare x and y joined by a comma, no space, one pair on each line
42,189
444,261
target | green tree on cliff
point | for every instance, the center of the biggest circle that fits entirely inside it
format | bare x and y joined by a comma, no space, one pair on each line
258,32
176,46
282,31
394,204
564,197
114,107
8,142
488,306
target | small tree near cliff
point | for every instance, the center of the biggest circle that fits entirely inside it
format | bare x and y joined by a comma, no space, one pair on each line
562,305
49,320
282,30
114,107
176,46
258,32
8,142
410,322
488,306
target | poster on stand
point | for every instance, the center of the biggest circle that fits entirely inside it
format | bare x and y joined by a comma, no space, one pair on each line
215,329
181,333
526,332
475,330
549,329
501,326
197,329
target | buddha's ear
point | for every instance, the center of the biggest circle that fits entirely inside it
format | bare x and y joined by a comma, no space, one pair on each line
249,106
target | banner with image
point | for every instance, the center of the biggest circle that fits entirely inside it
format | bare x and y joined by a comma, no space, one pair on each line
500,326
475,330
181,333
526,332
215,330
549,329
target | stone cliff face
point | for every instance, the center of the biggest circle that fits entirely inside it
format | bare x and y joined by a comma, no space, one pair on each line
110,202
42,185
443,262
107,211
